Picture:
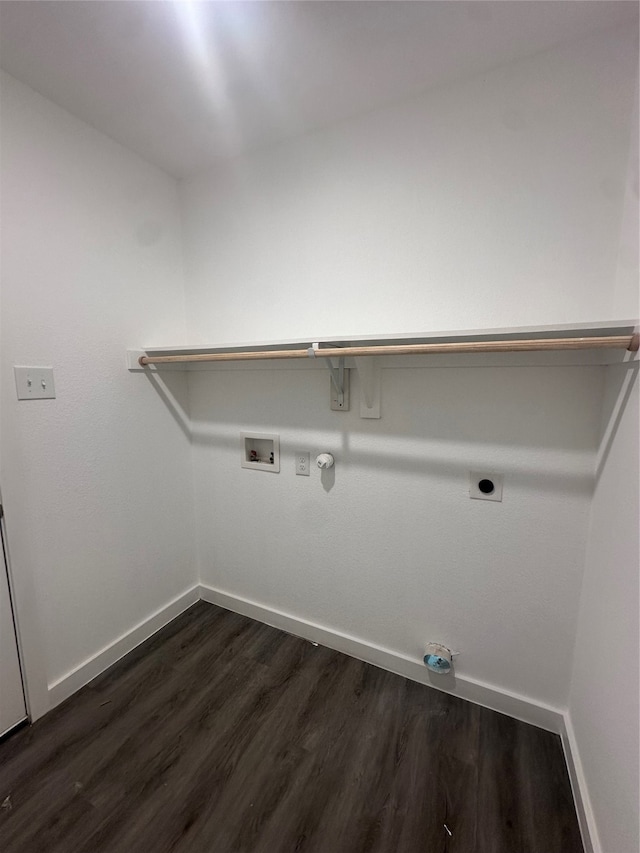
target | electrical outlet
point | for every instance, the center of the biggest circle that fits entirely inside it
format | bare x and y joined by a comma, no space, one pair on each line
303,461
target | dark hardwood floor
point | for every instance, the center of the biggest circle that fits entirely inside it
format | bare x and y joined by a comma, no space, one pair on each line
221,734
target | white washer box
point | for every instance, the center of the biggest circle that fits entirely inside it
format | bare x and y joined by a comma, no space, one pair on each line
260,451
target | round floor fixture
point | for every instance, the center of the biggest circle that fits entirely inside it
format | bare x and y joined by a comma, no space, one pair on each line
437,658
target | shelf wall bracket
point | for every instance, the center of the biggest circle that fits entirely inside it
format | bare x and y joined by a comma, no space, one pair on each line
369,374
337,378
337,374
132,359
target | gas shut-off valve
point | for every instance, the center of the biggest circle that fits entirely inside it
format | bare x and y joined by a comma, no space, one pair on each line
325,460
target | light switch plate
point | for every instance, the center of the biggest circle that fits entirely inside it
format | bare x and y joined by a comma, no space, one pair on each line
34,383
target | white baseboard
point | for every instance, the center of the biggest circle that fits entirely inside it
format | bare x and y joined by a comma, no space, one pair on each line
581,797
63,688
497,699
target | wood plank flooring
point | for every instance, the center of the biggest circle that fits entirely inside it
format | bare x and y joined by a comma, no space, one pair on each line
223,735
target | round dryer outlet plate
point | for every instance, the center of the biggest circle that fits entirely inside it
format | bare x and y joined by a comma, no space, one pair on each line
485,486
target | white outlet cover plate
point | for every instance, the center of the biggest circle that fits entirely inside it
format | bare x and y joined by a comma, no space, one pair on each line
303,463
34,383
474,489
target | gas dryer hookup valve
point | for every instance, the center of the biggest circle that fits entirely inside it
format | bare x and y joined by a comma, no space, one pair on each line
325,460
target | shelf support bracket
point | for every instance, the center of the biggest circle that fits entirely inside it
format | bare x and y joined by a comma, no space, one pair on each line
337,378
369,374
336,373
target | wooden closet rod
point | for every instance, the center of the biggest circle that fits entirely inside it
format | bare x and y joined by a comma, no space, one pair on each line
626,342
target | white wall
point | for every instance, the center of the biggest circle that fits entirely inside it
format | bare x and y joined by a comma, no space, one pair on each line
604,699
96,484
495,201
504,200
626,296
604,702
395,553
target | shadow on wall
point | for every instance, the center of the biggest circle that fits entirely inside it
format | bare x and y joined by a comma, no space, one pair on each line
625,376
173,391
535,423
531,476
550,407
328,478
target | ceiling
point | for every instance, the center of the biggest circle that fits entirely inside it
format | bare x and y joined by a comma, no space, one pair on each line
186,83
